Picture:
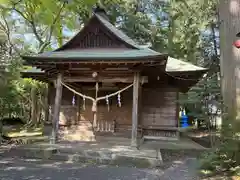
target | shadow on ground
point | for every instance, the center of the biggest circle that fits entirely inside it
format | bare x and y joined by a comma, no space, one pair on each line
35,169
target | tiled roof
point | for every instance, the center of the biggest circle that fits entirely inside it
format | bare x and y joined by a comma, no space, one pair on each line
173,65
96,54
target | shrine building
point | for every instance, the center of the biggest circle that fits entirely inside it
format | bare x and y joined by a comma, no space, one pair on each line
103,83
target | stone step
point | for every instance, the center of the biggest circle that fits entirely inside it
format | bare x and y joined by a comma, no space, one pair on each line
114,159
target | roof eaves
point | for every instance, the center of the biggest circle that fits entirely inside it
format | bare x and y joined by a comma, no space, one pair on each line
176,65
146,54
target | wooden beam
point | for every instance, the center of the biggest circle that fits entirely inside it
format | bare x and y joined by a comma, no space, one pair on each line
136,85
57,106
101,73
143,79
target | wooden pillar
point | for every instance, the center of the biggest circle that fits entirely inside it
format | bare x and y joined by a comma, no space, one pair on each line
46,103
135,109
177,114
56,110
34,105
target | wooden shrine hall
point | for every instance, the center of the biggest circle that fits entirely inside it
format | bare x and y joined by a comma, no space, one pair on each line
104,82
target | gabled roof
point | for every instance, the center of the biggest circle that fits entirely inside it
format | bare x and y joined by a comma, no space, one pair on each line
128,51
126,48
110,27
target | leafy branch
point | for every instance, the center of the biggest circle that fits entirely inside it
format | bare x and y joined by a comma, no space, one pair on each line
7,31
31,22
29,18
52,29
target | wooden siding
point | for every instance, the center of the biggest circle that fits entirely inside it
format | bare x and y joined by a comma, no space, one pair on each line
159,107
68,112
94,36
121,115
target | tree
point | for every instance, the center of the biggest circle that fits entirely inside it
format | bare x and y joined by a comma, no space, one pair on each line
229,27
43,22
226,158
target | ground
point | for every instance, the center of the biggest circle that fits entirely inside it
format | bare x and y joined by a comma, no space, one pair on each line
12,167
34,169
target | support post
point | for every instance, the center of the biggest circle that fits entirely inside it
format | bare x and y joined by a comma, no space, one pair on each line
177,114
136,83
34,105
57,106
46,103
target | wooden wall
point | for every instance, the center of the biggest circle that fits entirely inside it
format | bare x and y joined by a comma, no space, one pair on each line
73,113
68,112
158,107
122,115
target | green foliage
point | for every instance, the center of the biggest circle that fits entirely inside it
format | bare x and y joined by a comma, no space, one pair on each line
43,21
223,160
199,101
44,18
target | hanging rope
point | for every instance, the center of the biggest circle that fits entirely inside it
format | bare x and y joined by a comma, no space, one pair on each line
80,94
99,98
114,94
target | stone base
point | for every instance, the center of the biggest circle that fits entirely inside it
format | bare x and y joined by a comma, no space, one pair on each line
81,132
131,158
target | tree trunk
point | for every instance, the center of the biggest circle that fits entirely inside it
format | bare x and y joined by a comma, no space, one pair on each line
229,15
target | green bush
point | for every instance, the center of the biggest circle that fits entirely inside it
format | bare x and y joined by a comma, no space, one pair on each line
224,159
